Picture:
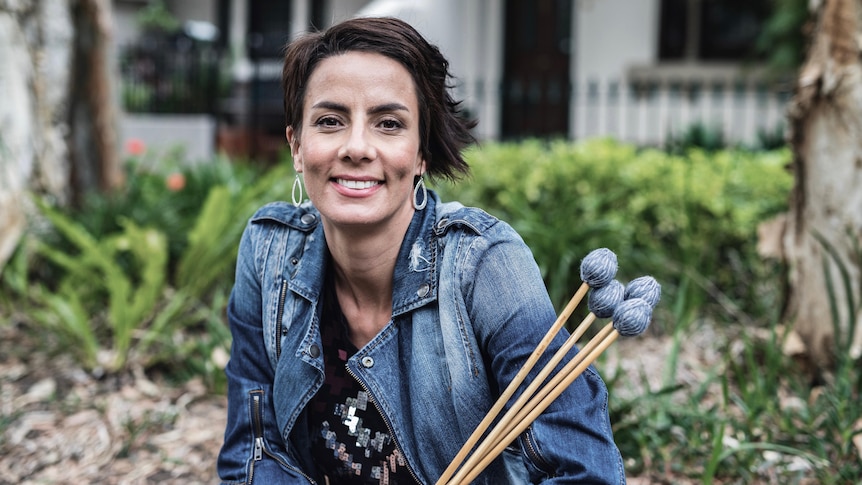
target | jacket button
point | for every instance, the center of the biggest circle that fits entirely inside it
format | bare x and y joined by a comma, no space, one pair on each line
367,362
314,350
307,218
423,290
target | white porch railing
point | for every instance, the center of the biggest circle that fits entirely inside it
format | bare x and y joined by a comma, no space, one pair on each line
650,113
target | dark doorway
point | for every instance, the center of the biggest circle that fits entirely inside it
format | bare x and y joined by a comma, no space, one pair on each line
536,86
268,28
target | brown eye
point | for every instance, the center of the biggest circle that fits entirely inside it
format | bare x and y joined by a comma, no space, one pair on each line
327,122
390,124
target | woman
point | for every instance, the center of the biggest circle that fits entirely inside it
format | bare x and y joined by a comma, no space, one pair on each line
374,325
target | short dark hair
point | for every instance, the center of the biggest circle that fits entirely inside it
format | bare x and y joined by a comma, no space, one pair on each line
443,129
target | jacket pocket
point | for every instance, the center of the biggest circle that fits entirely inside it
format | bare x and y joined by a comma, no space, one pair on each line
535,461
279,318
265,466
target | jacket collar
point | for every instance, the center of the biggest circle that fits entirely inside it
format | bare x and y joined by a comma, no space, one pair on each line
415,282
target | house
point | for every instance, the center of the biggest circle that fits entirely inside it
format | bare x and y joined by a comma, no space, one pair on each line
639,70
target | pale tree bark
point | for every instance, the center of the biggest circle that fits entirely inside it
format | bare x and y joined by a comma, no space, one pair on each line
54,60
824,225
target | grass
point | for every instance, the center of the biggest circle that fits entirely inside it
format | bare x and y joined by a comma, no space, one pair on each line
755,417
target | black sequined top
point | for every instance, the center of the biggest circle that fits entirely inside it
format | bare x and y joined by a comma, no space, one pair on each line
351,442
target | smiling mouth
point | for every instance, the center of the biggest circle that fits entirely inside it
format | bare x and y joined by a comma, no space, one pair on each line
357,184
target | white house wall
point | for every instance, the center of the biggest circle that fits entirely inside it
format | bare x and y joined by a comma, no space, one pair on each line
125,26
481,68
201,10
343,9
612,35
609,36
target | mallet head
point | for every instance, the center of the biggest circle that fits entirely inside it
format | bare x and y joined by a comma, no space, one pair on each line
599,267
644,287
632,317
604,300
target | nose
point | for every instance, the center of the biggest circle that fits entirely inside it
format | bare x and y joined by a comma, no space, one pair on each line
358,145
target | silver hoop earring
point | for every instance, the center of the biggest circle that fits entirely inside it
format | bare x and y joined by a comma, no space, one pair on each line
420,187
297,187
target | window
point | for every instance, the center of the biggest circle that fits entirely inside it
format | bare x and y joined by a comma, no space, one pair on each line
710,30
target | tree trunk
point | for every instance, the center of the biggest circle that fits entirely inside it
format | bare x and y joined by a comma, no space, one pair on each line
823,234
41,43
93,137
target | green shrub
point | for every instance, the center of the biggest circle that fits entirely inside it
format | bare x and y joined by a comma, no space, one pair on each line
689,220
165,191
110,285
698,135
130,275
209,257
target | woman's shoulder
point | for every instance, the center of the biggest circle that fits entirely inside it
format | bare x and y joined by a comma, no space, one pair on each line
304,217
455,215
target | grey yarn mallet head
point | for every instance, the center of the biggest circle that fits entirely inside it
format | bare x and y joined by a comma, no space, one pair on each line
604,300
599,267
644,287
632,317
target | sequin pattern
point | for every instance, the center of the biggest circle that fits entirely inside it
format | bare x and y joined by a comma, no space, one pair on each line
350,440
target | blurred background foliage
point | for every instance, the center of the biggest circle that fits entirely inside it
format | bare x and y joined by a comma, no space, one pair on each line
689,219
140,276
158,252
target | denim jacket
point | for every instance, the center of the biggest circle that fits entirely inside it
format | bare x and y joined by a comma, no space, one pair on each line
468,308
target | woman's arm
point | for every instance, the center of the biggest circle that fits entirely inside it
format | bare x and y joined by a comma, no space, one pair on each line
571,442
253,451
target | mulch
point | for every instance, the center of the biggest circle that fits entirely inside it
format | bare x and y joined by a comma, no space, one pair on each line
60,424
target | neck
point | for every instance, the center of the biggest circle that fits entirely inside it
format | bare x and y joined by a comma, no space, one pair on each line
363,265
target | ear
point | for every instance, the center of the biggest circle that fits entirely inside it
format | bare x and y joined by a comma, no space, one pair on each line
422,167
293,142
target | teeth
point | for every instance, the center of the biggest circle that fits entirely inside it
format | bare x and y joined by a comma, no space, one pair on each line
357,184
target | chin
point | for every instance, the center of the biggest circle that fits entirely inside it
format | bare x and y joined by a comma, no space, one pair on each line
354,217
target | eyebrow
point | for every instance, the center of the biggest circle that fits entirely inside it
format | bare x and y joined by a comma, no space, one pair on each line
381,108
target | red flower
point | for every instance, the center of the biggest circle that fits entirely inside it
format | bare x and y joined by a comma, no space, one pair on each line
175,182
135,146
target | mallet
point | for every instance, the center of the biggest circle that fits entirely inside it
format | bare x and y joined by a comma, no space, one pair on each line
602,302
645,288
597,270
630,318
643,293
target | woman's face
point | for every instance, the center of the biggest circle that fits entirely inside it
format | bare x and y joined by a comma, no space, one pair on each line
358,149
